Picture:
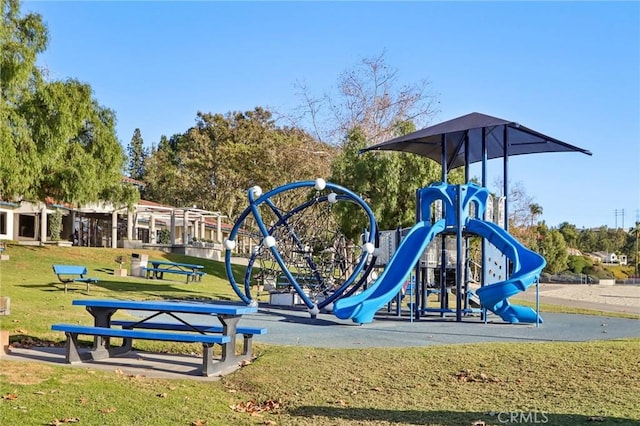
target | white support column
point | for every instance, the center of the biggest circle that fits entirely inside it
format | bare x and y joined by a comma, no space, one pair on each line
219,230
196,229
114,229
152,229
203,234
173,228
129,225
43,224
185,227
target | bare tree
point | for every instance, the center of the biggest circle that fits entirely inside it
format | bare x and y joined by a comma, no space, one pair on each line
368,96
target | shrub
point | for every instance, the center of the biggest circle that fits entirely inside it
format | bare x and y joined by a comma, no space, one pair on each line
55,225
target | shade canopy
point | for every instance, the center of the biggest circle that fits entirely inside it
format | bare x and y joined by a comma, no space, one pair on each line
461,140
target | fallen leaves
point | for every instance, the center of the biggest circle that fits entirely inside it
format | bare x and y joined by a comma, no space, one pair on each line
10,396
254,408
470,377
56,422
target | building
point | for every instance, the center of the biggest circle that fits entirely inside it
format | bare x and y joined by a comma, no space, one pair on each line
147,225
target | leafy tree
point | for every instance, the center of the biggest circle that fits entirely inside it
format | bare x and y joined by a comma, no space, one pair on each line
387,181
632,246
162,173
56,139
554,249
137,155
22,38
213,164
570,233
578,264
81,159
535,210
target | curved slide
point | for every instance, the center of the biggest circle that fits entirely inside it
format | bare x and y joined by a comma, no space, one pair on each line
527,266
362,307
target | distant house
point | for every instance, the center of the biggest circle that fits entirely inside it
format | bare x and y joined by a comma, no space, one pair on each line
606,257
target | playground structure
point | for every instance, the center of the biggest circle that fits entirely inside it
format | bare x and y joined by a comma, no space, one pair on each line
328,270
464,209
300,246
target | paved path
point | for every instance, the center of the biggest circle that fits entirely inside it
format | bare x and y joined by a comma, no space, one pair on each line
614,298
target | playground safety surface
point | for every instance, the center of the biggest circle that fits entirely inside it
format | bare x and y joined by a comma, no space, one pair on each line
294,327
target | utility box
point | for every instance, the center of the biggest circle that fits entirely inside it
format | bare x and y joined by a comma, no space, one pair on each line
138,261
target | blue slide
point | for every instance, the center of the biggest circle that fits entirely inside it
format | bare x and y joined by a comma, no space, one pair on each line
362,307
527,266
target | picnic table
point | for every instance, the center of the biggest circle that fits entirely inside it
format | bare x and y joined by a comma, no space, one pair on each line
193,272
182,328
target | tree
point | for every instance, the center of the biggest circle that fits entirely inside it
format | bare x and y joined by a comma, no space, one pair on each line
137,155
162,173
370,97
570,234
212,164
578,264
57,141
80,158
21,40
387,181
552,246
535,210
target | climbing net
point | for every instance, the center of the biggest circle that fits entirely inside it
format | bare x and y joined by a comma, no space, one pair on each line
294,242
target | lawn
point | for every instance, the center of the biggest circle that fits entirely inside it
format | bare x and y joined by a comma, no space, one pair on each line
546,383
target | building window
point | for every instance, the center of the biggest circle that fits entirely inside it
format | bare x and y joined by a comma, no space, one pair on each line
3,223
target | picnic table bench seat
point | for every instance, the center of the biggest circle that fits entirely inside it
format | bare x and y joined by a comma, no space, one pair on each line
74,356
158,270
150,271
247,332
73,274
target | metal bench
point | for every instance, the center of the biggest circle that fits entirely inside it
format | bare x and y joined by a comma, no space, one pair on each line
73,274
74,356
247,332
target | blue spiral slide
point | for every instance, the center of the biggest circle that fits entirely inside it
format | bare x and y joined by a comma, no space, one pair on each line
362,307
527,266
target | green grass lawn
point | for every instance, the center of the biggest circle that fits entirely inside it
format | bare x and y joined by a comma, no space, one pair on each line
525,383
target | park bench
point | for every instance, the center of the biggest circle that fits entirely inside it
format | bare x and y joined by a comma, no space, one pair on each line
74,356
247,332
73,274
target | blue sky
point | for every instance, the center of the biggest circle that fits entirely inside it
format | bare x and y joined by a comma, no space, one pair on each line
570,70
